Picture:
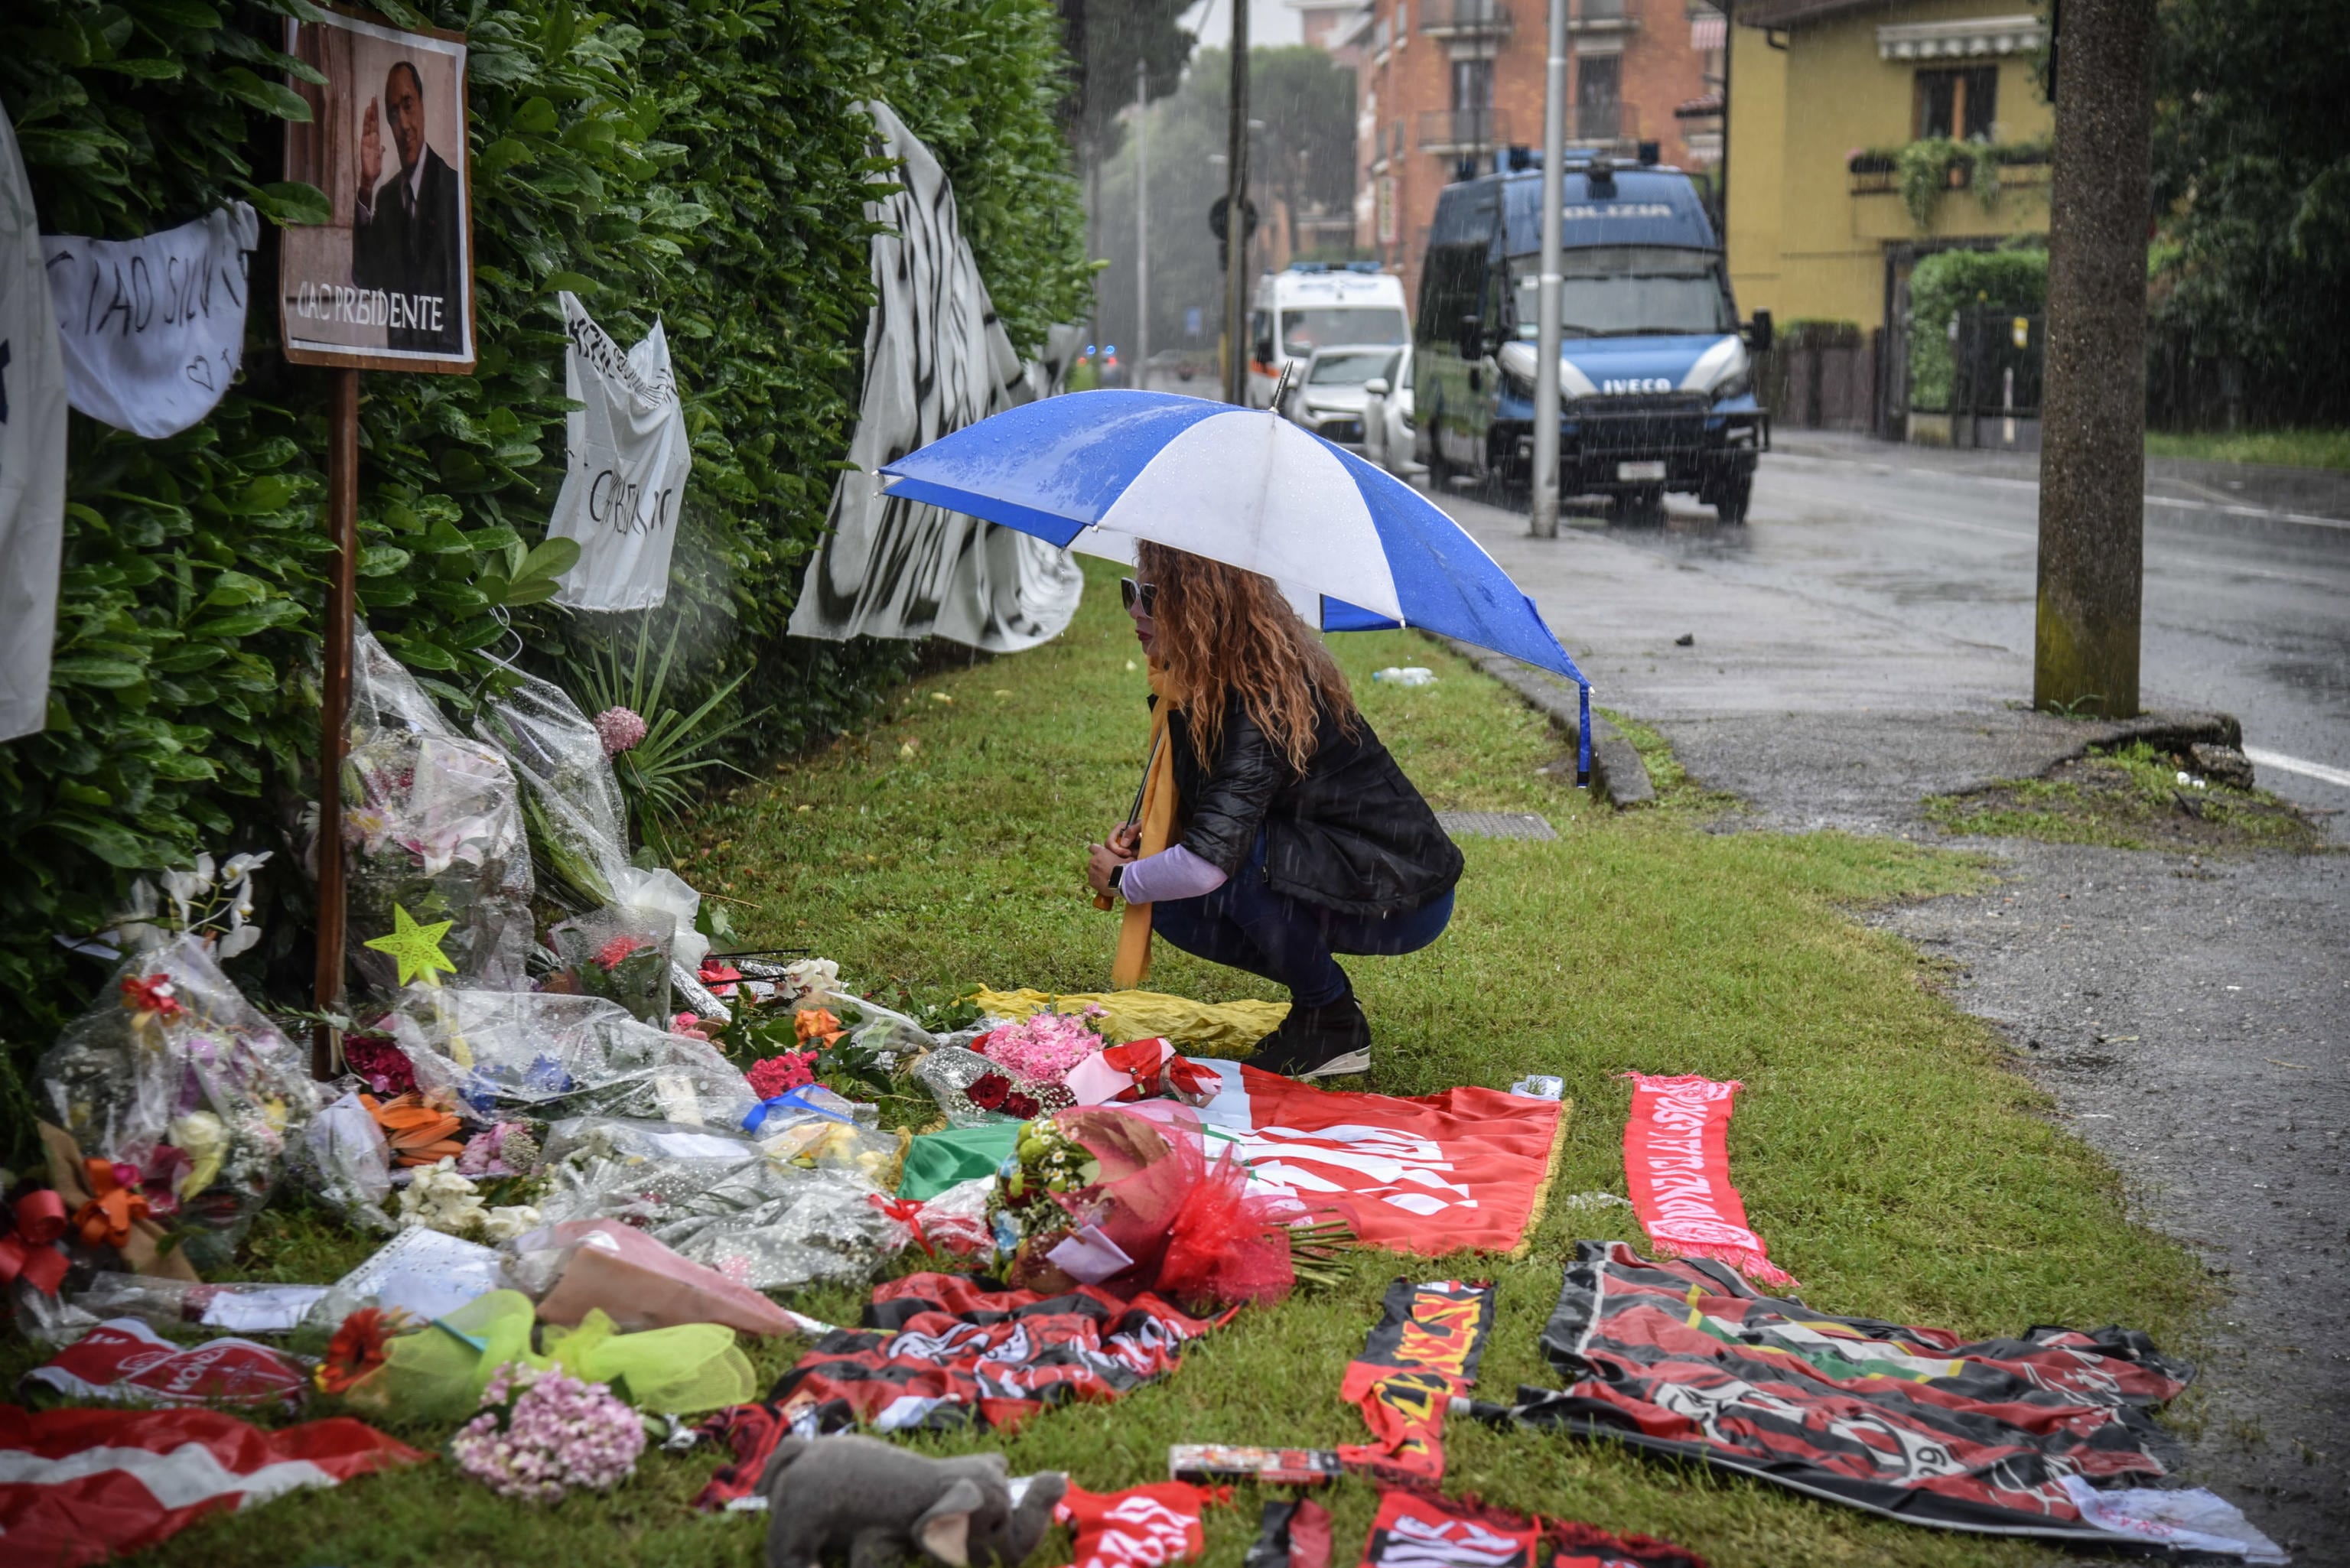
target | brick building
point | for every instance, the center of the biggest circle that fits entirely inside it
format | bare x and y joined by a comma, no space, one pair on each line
1445,80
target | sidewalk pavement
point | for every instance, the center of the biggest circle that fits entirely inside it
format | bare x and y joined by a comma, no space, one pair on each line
2247,488
2191,1017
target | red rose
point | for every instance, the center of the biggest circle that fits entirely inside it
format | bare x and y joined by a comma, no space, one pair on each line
1025,1106
989,1091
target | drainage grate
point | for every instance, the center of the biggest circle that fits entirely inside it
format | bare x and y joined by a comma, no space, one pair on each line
1496,824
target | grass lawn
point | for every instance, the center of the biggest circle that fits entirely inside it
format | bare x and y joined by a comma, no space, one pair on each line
1885,1150
2292,449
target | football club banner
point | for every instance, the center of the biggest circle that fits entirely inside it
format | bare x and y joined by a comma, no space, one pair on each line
1428,1174
1422,1353
32,455
627,456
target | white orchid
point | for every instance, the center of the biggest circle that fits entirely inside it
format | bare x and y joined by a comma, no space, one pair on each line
200,898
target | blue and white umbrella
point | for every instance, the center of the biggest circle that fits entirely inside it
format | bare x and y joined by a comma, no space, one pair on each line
1355,548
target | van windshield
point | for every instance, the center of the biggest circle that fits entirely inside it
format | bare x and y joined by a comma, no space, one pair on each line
1303,331
1621,291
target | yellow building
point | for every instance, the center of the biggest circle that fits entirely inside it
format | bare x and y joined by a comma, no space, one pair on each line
1825,96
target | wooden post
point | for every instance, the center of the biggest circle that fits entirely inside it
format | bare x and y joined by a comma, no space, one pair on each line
334,717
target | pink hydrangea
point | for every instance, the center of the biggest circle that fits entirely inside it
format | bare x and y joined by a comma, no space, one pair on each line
620,729
781,1074
541,1434
1042,1048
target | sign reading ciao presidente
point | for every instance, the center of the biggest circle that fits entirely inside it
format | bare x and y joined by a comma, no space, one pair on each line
387,282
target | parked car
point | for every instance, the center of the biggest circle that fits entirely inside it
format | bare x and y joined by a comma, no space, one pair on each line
1178,365
1387,434
1328,397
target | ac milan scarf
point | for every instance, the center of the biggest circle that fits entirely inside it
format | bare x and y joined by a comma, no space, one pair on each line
1141,1527
1418,1529
77,1486
1422,1353
1677,1159
939,1352
1685,1359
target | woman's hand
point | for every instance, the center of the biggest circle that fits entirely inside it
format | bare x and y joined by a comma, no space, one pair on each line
1101,859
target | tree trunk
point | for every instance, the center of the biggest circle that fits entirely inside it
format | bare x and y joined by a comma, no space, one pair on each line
2092,439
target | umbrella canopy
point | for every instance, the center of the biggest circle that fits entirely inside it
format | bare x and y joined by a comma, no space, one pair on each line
1095,471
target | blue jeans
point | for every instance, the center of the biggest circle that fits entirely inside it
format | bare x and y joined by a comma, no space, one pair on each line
1247,925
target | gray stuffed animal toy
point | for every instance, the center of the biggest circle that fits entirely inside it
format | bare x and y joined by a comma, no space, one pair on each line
880,1501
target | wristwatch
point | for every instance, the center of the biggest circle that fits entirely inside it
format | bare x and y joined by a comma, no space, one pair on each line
1116,872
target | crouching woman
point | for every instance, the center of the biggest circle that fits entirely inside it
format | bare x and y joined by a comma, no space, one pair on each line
1276,832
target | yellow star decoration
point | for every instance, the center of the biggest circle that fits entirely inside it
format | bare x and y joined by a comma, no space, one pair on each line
416,948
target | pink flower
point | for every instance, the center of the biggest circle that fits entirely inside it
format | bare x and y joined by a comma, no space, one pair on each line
619,950
1041,1048
781,1074
690,1025
620,729
540,1434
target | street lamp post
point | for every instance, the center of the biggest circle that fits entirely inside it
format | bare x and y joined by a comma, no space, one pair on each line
1236,251
1543,520
1142,227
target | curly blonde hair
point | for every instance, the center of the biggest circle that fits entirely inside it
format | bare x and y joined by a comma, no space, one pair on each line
1220,632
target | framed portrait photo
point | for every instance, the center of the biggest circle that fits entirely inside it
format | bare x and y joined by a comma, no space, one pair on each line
387,282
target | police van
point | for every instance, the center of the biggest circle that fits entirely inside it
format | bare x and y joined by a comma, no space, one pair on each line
1656,388
1313,305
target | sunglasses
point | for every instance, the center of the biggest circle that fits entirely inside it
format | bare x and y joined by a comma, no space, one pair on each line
1131,593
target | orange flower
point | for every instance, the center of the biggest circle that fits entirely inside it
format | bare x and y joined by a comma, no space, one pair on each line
357,1349
419,1134
816,1023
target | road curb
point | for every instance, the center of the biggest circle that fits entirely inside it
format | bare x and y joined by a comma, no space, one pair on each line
1617,770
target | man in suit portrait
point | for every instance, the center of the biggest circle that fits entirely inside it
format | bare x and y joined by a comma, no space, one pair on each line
407,234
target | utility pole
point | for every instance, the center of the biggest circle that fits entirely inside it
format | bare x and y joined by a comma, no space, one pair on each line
1237,247
1142,227
2093,401
1543,523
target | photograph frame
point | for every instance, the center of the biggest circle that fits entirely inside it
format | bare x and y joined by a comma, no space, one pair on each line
299,340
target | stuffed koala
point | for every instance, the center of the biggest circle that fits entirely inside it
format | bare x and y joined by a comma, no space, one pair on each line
880,1501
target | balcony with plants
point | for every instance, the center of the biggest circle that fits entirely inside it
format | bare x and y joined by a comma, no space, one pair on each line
1923,172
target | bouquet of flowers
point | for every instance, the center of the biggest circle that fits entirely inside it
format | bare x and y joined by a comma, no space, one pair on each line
541,1434
186,1090
1042,1048
620,955
1132,1202
431,825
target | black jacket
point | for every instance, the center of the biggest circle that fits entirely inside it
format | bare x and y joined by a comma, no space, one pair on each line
1351,834
416,256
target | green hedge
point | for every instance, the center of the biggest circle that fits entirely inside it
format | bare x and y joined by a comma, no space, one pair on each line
695,158
1945,281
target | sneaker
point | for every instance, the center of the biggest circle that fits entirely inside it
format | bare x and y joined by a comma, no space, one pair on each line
1320,1041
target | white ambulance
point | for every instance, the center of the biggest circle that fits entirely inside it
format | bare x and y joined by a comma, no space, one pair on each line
1316,306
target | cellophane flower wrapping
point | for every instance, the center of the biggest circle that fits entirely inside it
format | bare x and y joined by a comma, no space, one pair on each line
542,1434
432,824
621,955
344,1160
544,1056
1147,1183
571,798
716,1198
173,1073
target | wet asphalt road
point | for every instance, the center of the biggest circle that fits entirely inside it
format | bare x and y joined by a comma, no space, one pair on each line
1864,640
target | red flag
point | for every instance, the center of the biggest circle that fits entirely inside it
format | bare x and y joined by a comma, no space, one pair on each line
1677,1162
1431,1174
1423,1350
1141,1527
77,1486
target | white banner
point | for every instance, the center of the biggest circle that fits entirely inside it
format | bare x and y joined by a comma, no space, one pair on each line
32,455
153,330
625,478
936,359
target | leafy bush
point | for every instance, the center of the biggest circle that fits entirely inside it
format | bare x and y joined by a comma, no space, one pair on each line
705,163
1944,281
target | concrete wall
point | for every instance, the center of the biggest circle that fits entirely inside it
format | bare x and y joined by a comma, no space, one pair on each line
1804,243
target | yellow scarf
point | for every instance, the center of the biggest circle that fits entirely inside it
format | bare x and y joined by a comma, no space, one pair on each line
1157,821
